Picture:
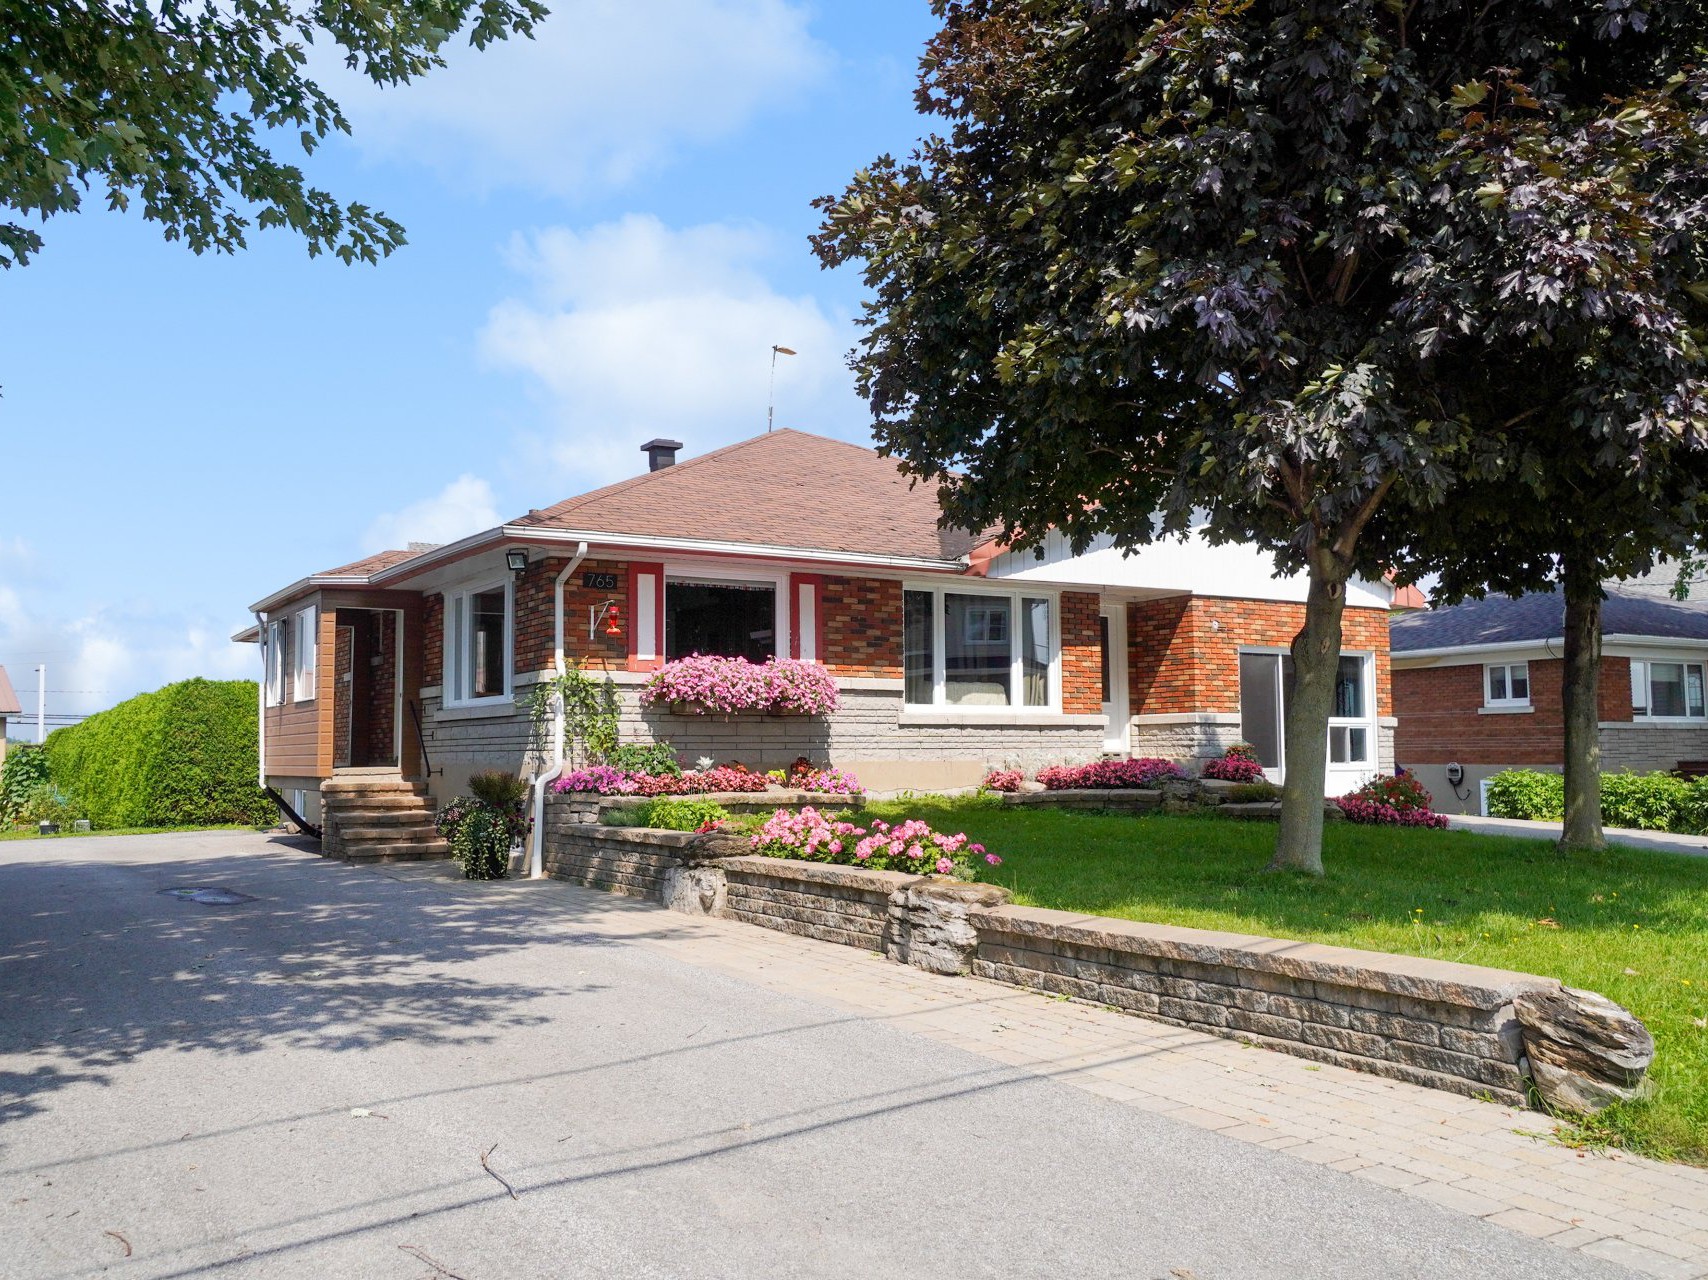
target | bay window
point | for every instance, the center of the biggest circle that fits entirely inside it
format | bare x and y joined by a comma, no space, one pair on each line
1667,690
977,649
478,639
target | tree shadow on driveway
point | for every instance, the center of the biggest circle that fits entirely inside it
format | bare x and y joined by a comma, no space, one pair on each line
99,963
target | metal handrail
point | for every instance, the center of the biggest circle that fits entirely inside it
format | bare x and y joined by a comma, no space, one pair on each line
421,740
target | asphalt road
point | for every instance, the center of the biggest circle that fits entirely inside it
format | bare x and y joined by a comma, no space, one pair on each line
304,1085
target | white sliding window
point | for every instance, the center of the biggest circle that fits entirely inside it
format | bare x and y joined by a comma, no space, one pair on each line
306,649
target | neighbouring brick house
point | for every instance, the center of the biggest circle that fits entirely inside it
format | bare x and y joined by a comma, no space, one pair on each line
952,655
1478,685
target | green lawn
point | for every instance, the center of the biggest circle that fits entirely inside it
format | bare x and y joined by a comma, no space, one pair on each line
30,833
1630,924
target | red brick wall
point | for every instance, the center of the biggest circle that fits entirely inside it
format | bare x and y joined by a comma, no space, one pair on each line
1082,656
382,714
534,615
860,620
1441,719
1183,651
432,642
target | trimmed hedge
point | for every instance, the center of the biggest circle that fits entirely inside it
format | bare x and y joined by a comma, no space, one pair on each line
180,756
1639,801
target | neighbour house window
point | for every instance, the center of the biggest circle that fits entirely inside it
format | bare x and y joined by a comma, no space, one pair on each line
1265,689
477,643
985,650
720,619
1667,690
306,647
1506,684
275,669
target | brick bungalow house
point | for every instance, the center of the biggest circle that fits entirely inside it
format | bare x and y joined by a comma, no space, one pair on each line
952,654
1477,685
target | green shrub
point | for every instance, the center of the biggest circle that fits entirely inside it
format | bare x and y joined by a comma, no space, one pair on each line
502,791
1253,793
1525,793
480,844
1646,801
1693,807
180,756
655,758
47,804
25,770
674,813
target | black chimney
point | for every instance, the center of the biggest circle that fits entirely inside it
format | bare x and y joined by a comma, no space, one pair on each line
660,453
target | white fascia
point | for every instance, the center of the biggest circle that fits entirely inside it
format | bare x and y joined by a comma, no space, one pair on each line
1536,650
530,534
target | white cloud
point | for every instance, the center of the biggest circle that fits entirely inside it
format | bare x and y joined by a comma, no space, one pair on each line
606,89
634,329
462,507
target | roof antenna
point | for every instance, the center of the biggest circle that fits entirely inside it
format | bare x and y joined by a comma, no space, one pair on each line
771,403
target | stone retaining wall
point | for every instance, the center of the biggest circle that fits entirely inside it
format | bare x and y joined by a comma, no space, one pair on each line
1430,1022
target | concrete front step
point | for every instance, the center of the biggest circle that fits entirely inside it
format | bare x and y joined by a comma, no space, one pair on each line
419,852
372,787
399,817
387,835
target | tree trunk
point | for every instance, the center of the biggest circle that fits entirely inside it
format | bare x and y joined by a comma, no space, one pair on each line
1310,702
1581,694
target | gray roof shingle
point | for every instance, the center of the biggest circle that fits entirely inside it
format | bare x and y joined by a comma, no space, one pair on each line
1638,608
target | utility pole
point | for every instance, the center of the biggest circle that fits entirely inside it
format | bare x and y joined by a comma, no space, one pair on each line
771,400
41,703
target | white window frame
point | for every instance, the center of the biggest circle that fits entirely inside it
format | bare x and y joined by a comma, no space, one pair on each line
305,653
274,659
1366,722
1370,722
1016,670
1642,670
778,585
456,673
1506,668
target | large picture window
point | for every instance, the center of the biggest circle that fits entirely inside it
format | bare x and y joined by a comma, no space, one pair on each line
477,643
1667,690
1265,690
961,649
720,619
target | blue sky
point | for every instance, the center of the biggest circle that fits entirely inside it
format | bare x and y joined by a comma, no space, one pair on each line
607,231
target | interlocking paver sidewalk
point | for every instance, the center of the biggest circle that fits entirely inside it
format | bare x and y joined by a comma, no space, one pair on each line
1486,1160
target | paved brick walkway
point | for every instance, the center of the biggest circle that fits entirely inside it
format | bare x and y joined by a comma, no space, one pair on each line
1486,1160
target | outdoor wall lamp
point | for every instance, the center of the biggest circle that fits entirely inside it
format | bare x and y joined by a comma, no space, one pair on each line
608,612
517,559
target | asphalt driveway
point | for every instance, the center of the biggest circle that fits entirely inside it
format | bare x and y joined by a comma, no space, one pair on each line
304,1083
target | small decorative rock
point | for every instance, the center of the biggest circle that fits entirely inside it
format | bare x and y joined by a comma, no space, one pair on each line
695,891
928,926
1586,1053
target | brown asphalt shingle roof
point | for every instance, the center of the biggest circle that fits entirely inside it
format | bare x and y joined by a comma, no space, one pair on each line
9,705
369,564
784,489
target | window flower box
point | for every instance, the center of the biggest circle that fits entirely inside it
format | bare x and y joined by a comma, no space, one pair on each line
704,685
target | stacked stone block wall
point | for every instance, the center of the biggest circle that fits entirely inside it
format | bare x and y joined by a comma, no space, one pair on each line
1430,1022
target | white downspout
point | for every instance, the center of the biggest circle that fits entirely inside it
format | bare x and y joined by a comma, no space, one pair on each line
261,698
536,859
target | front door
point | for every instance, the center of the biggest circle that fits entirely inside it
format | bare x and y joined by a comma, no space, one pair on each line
1112,632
